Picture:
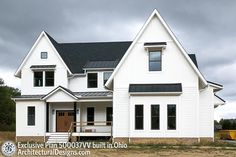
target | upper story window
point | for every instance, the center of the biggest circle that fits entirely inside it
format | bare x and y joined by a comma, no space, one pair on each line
44,55
106,76
49,78
43,78
155,60
92,80
38,78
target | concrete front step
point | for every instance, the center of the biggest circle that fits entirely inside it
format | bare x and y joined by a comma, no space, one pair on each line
58,138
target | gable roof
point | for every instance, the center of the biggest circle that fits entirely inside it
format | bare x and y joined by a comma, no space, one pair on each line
65,90
42,34
156,13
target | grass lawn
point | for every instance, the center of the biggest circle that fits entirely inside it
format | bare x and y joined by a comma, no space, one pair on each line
218,148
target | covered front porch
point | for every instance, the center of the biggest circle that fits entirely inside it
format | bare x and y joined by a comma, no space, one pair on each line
83,114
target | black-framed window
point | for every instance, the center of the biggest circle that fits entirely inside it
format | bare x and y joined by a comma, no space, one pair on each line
155,117
49,78
31,116
92,80
171,116
38,78
109,115
138,117
44,55
155,61
90,115
106,76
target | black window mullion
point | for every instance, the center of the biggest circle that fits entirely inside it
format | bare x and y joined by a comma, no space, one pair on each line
171,117
138,117
31,115
155,117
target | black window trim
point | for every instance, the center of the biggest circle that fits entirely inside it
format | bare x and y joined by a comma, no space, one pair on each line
155,61
34,122
45,79
88,79
135,117
172,116
34,79
109,123
157,116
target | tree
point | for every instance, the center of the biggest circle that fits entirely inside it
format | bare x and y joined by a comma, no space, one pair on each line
1,82
7,107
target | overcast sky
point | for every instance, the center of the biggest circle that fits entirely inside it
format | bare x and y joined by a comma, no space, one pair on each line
204,27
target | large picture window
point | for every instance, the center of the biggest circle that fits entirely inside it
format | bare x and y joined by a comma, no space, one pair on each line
155,61
31,115
38,78
49,78
138,117
155,117
171,113
92,80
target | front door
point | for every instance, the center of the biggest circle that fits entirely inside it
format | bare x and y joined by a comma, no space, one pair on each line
64,119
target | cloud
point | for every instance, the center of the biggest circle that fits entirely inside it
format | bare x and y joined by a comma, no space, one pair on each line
206,28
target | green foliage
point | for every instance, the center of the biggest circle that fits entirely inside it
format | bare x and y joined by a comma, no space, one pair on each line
7,107
228,124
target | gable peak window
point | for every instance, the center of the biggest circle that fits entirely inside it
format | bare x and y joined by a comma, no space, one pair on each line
155,60
92,80
44,55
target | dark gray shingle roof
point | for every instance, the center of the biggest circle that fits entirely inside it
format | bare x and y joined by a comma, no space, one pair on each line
76,55
177,87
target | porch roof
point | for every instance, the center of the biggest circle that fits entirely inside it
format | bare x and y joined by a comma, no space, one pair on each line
78,95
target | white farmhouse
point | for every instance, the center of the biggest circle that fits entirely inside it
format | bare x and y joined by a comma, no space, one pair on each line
146,90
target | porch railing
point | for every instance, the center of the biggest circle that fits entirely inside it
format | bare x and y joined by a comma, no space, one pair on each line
90,127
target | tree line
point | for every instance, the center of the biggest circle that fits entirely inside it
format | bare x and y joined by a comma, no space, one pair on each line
226,124
7,107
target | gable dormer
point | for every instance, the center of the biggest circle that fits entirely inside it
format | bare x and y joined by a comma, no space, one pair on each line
43,68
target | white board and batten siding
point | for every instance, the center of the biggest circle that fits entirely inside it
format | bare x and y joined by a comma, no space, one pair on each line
175,69
27,76
22,128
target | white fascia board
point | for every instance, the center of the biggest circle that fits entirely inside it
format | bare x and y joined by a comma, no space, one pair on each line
17,73
55,90
218,88
155,13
